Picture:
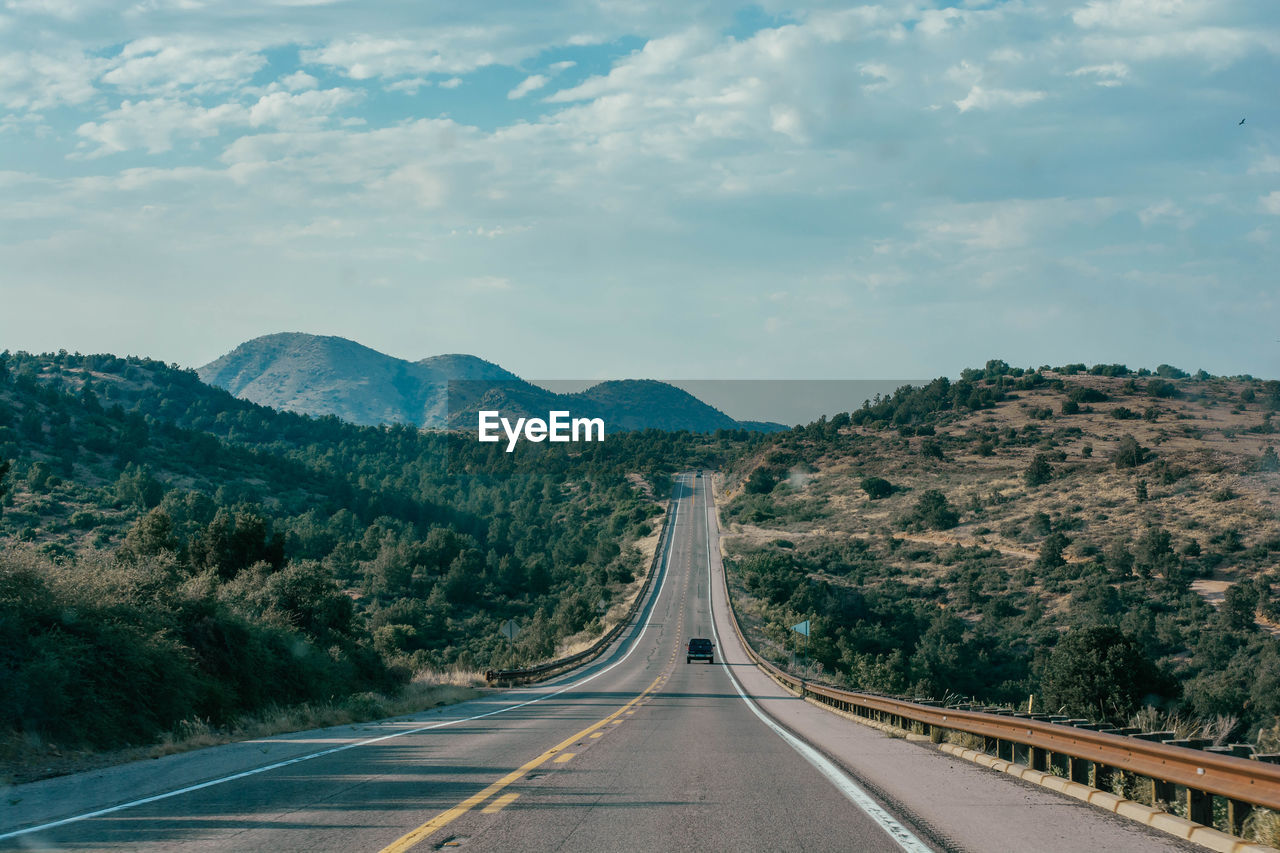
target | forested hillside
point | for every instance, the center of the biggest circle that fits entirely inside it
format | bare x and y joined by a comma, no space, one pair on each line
169,553
1103,539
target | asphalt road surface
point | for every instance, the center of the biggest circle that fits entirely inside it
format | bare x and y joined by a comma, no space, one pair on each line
639,751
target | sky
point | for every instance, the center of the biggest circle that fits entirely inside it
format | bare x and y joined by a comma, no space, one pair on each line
625,188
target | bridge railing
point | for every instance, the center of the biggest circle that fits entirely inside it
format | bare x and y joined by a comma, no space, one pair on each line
1081,751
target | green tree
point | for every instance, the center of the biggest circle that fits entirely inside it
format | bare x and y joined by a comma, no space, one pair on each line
1039,471
1119,559
761,481
137,487
4,469
876,487
1239,605
1154,552
1051,551
232,542
151,534
1129,453
933,510
1099,673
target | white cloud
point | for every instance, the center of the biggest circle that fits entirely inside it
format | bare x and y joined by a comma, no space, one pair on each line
934,22
65,9
36,81
298,81
1143,15
787,120
295,111
1003,225
1108,75
451,83
1270,203
1165,211
155,66
1219,46
529,84
986,99
489,283
1268,164
882,76
557,67
155,124
450,51
409,85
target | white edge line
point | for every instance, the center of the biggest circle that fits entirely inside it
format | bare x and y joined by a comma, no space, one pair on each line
635,641
904,837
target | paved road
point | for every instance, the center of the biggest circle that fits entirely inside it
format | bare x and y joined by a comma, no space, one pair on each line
640,751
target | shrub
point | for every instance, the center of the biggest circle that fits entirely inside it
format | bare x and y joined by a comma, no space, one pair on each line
1129,453
933,510
876,487
1100,673
1039,471
761,482
1051,551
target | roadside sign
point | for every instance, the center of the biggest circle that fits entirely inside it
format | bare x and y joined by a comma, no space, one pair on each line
802,628
509,629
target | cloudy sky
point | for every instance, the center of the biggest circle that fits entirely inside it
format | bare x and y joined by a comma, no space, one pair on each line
593,188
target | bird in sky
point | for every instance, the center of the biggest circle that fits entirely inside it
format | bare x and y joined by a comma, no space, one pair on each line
1241,122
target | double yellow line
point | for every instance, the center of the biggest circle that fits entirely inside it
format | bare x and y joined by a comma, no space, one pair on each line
448,816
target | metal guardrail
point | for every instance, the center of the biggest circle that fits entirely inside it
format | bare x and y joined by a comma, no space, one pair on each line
1089,756
534,673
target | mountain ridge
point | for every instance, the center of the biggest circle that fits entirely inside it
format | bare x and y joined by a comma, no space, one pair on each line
329,375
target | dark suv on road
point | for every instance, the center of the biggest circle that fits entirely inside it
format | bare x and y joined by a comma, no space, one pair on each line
700,649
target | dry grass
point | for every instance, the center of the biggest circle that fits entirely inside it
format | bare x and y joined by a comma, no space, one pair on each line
966,740
1204,432
1263,826
27,758
1219,729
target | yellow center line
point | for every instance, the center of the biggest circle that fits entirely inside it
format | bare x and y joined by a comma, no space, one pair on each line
499,804
448,816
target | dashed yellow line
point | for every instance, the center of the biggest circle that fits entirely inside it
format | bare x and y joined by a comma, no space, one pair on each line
563,757
448,816
499,804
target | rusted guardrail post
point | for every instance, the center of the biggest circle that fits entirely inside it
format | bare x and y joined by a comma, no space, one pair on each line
1199,806
1237,813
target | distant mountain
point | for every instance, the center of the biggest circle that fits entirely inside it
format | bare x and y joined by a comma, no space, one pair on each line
642,403
322,375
